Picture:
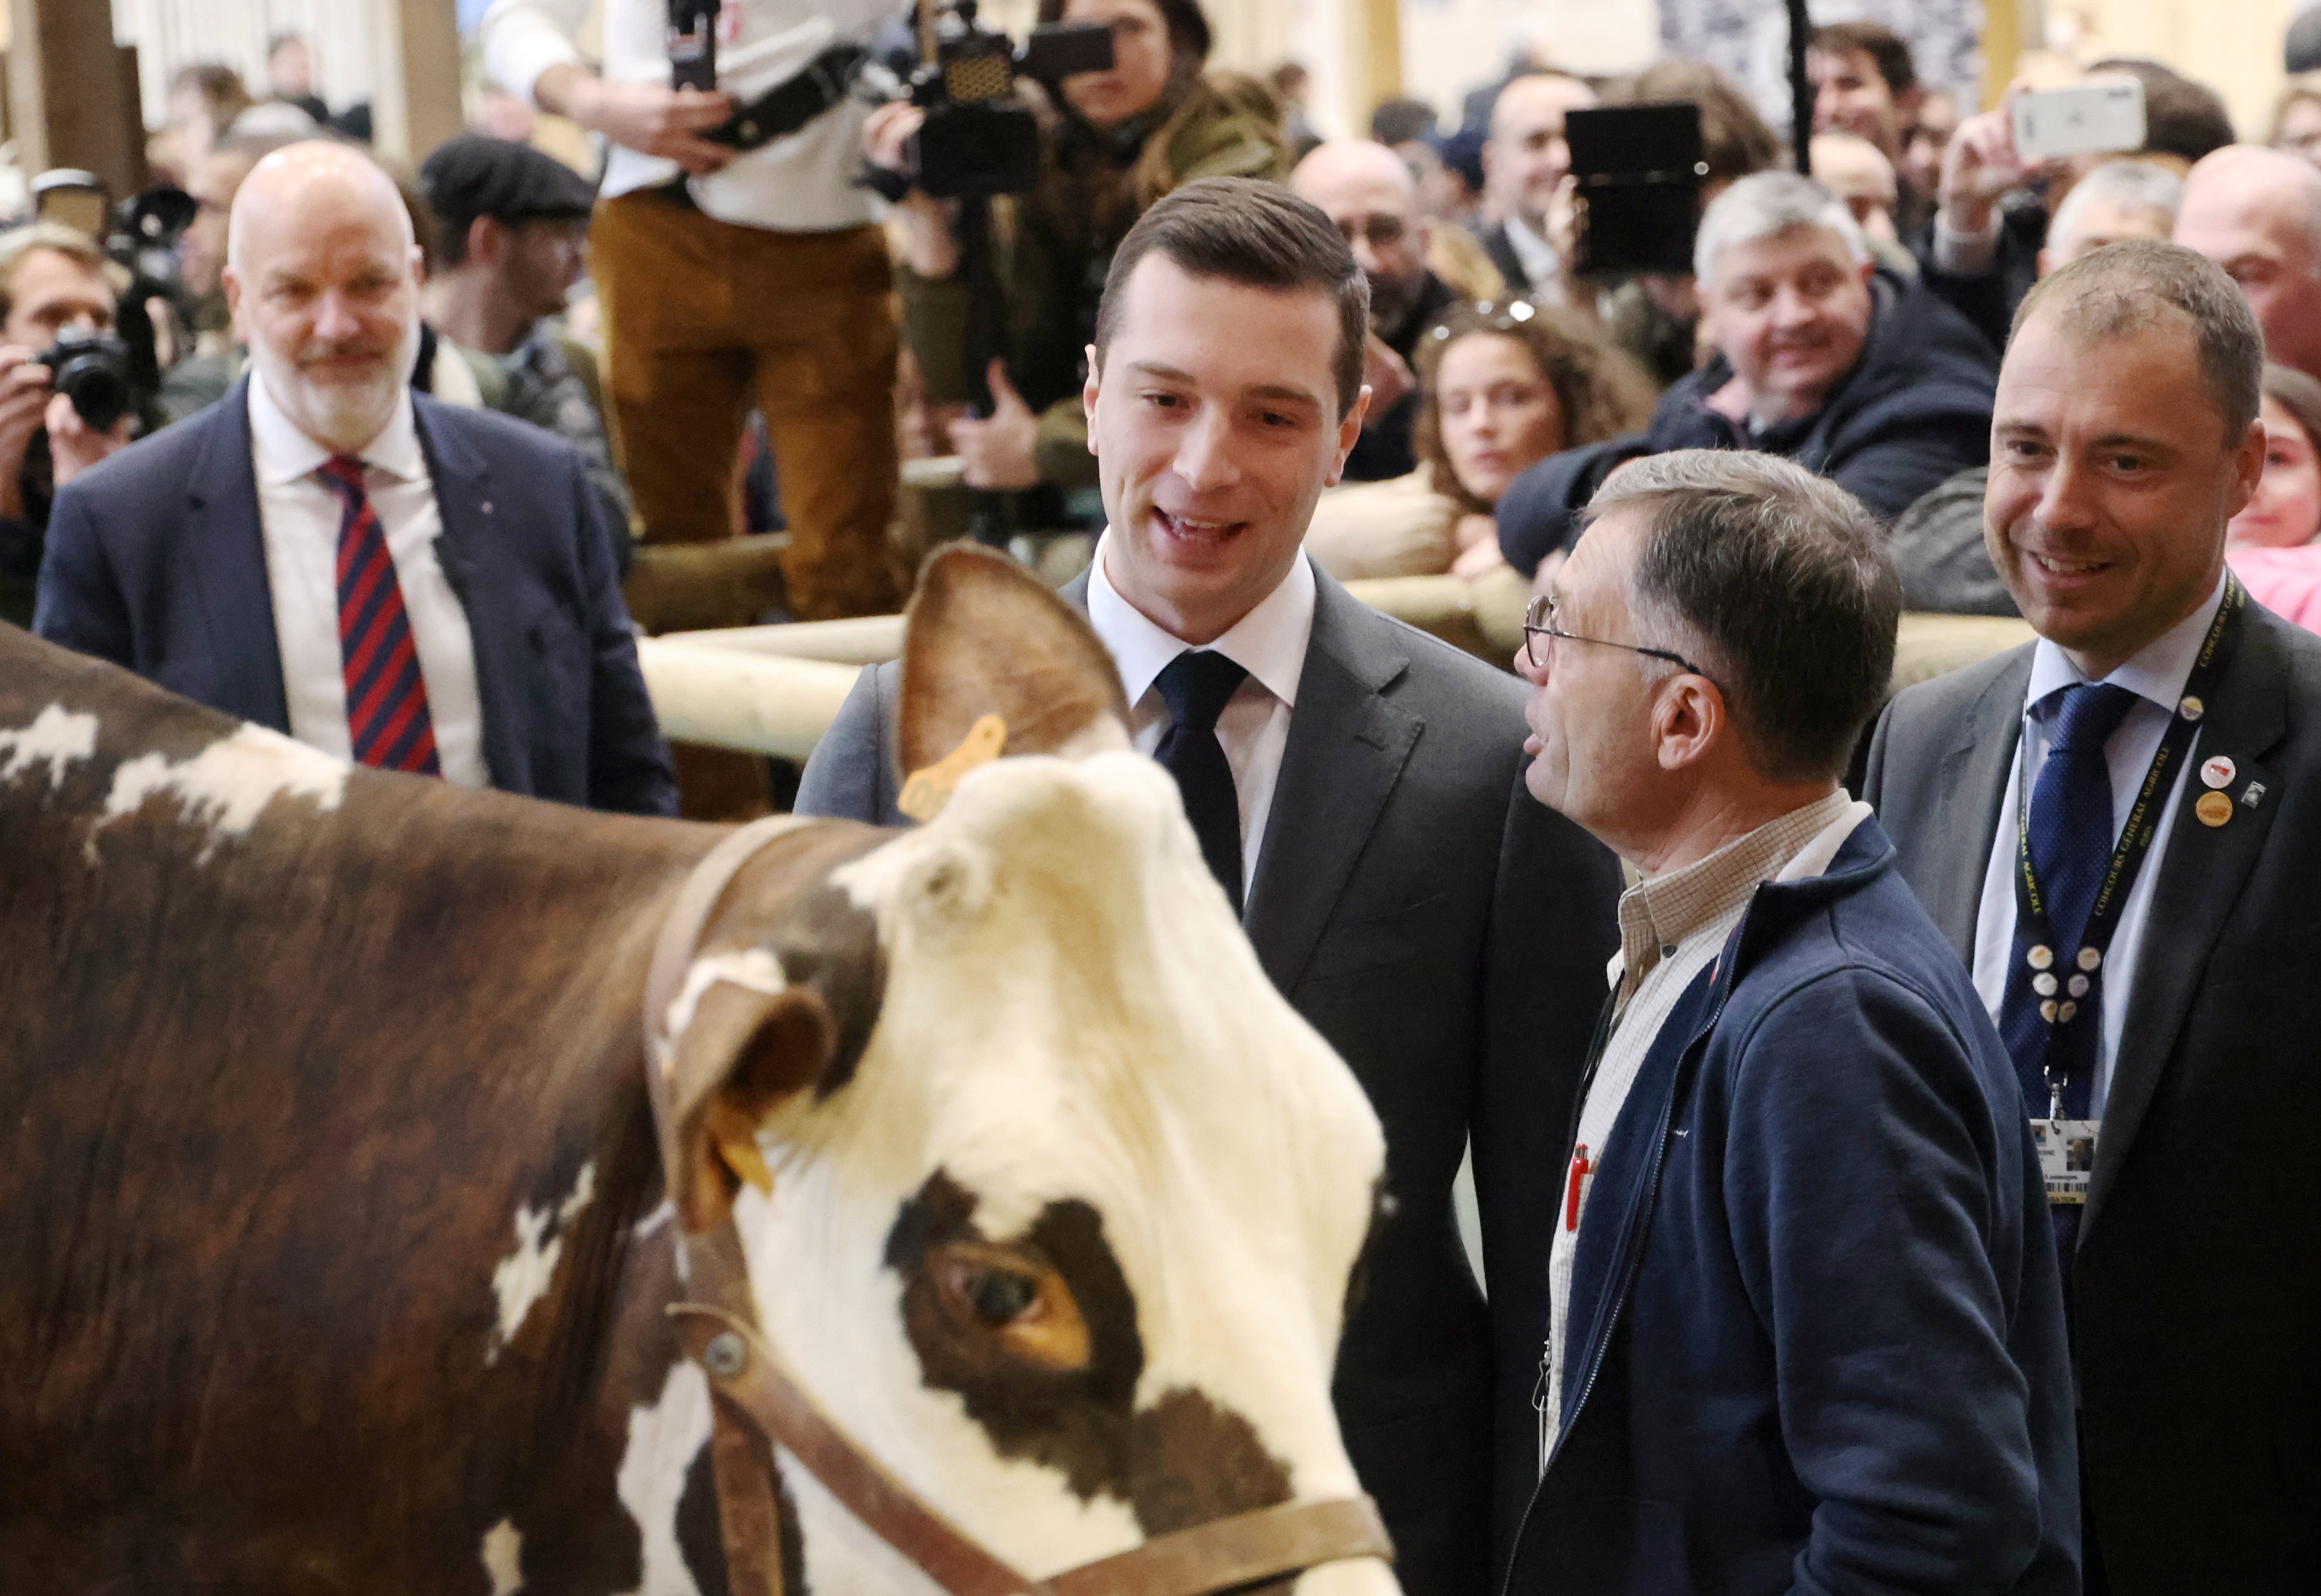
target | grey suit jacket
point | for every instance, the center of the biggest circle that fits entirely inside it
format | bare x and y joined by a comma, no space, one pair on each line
2195,1285
1448,936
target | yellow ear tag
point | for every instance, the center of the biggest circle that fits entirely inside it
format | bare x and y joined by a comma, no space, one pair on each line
737,1147
928,790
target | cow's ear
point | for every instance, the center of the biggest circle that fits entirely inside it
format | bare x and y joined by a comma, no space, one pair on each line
741,1055
986,638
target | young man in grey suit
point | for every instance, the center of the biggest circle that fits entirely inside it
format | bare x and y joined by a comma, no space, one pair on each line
1361,783
2118,827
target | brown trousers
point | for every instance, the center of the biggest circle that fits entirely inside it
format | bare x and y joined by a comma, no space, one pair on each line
702,319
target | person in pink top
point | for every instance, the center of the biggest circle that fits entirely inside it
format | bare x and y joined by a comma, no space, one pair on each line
2270,544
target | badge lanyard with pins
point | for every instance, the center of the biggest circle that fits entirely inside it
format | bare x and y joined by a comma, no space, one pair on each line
2064,979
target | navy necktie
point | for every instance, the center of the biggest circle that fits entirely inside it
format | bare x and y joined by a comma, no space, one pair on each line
1194,686
2051,1014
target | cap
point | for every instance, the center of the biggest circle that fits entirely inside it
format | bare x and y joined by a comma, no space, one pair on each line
474,176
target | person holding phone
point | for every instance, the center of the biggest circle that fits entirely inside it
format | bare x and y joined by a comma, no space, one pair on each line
1998,203
1821,358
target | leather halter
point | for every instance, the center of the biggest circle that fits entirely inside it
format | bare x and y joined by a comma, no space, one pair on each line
759,1406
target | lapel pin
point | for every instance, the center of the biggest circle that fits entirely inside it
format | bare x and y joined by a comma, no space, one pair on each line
2191,708
2219,772
2214,809
2253,795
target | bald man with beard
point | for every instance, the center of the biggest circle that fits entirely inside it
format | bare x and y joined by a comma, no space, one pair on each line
398,582
1371,199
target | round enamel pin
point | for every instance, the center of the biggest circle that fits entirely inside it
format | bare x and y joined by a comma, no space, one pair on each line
2191,708
2089,958
2039,957
2219,772
2214,809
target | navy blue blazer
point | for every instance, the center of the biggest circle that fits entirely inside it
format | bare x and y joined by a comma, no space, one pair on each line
157,562
1815,1335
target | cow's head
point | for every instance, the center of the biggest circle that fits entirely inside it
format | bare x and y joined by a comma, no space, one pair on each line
1060,1199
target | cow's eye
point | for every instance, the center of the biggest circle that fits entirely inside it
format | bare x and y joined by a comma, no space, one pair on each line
1000,1295
1015,1297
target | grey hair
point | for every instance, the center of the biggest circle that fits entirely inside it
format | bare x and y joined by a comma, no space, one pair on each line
2123,290
1778,581
1767,205
2127,184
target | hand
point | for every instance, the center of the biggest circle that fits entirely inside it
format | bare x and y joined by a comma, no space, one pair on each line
996,452
1980,164
1389,374
74,445
24,397
1478,539
651,118
887,135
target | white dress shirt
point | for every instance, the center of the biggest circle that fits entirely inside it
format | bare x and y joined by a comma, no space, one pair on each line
1671,927
804,183
2156,675
1269,643
1538,259
299,515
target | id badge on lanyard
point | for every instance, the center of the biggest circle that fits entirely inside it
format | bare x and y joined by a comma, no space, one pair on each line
2067,1156
2063,979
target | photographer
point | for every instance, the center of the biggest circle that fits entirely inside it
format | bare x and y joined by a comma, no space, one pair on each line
737,265
52,281
1113,143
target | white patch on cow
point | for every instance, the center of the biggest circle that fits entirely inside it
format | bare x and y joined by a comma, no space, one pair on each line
56,738
1070,1013
653,1223
229,783
752,968
503,1557
664,1439
523,1277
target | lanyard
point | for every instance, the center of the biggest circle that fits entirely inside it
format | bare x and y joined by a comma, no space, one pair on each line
2064,1002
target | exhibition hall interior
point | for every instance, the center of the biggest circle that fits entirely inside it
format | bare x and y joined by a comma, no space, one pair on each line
1160,797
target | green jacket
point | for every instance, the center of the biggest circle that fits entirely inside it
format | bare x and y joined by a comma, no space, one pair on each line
1051,248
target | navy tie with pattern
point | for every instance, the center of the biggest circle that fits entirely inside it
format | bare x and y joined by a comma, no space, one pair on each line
1194,686
2072,842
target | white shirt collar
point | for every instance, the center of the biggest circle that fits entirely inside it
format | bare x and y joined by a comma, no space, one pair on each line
2155,673
281,453
1268,642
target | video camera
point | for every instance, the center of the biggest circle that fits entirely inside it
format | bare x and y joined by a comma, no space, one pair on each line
980,138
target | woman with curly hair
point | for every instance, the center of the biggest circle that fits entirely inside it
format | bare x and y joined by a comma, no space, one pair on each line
1504,386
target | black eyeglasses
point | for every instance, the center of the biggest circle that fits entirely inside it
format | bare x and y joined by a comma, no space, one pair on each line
1539,621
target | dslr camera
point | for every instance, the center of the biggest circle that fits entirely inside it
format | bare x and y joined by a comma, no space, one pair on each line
94,370
980,138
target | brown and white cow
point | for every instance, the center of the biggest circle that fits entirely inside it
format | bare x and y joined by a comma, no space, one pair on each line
333,1238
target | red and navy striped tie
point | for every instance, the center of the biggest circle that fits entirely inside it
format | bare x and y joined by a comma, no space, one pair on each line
387,722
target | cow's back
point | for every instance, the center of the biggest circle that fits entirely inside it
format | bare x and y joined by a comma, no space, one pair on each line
322,1145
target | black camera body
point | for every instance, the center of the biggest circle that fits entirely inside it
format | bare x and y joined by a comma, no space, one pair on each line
980,138
95,371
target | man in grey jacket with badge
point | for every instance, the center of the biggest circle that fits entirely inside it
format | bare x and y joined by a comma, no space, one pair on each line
2118,827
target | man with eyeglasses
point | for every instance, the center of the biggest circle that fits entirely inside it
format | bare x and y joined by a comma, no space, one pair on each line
1371,199
1802,1331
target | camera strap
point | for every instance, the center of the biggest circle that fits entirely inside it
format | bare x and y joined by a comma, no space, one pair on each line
790,105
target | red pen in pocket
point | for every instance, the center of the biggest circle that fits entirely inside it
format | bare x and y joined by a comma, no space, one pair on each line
1580,1172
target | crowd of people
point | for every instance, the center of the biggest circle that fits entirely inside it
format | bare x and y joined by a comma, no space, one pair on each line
1921,1208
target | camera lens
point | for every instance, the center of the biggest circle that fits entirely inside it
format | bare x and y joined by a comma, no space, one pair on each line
97,387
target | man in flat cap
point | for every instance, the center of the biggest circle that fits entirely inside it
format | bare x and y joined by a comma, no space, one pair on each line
513,235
